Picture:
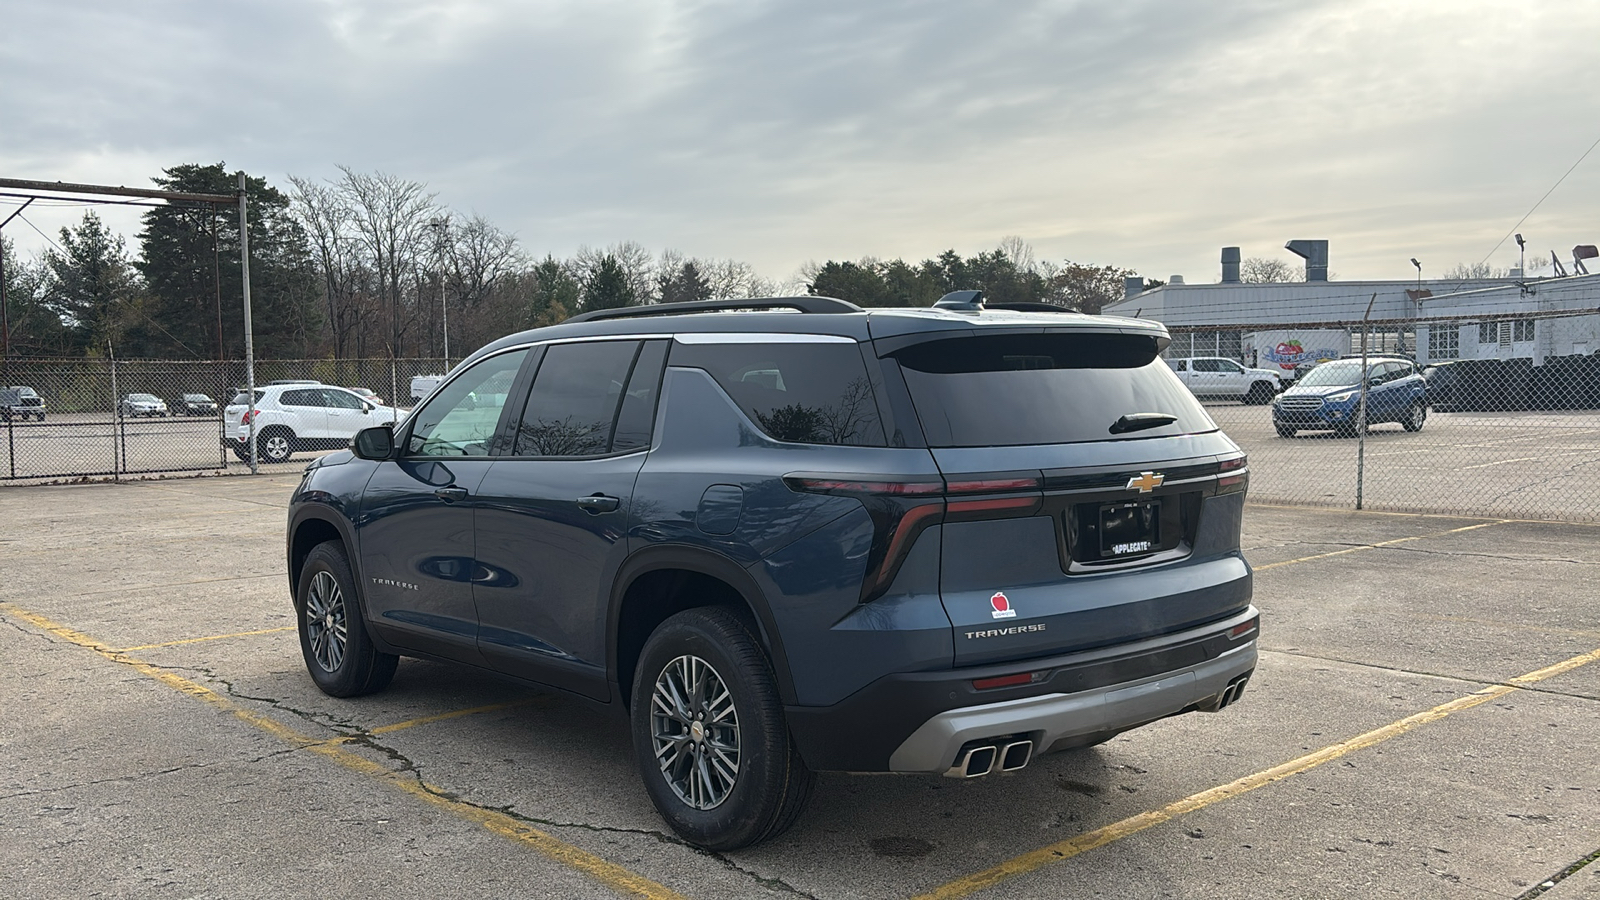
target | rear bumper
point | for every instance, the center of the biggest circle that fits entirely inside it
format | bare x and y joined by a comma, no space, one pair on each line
917,722
1071,719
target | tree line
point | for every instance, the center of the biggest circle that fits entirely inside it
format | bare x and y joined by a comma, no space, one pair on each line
368,265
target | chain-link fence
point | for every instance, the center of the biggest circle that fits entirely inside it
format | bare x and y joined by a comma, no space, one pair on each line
101,417
1487,415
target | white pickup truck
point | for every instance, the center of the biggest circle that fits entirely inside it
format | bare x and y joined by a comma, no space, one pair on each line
1220,378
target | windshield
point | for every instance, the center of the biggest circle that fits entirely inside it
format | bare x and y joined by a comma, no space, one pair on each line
196,398
141,398
1334,374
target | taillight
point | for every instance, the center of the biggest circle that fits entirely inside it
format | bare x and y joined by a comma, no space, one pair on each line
248,415
902,508
1233,475
1244,628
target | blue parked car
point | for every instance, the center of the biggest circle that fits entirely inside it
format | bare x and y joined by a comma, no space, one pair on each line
933,541
1329,397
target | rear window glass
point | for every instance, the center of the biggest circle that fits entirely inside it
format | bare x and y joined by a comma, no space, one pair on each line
1017,389
805,392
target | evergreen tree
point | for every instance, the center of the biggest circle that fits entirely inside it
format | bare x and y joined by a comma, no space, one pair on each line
608,286
554,295
685,285
91,285
190,261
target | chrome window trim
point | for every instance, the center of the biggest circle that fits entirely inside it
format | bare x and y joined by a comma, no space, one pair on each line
760,337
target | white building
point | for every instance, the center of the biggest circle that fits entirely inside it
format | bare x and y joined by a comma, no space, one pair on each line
1491,318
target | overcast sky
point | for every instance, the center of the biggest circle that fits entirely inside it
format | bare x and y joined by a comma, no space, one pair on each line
1139,134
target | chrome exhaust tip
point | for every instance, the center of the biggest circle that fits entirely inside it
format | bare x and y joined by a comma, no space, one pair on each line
1015,755
974,763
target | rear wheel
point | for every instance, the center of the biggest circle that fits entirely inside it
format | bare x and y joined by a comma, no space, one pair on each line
709,733
277,445
1415,416
333,637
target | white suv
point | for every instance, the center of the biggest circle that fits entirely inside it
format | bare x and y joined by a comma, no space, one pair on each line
1220,378
292,417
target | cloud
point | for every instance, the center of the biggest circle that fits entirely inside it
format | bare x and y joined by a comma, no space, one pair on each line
1142,134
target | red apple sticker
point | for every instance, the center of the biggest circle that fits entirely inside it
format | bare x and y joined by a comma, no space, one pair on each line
1002,606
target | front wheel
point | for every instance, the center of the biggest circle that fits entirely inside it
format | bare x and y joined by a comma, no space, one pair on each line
333,637
1415,416
1260,393
710,736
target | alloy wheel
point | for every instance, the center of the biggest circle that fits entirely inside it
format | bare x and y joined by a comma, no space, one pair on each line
326,629
695,730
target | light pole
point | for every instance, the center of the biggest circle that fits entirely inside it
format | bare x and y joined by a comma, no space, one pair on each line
1522,258
440,230
1419,272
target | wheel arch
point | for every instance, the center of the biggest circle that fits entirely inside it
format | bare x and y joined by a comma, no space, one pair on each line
662,580
308,527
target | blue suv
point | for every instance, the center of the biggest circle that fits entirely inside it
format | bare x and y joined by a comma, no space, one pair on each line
791,535
1329,397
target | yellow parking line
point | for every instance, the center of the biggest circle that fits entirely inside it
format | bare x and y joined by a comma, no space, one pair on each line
1380,544
539,700
1075,846
608,873
201,640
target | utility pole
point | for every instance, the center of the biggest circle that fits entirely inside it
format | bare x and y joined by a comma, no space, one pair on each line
441,229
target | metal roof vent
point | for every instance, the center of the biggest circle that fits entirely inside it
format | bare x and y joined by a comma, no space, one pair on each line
1230,265
1315,253
1175,279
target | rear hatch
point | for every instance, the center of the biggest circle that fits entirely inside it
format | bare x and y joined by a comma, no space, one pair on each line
1077,473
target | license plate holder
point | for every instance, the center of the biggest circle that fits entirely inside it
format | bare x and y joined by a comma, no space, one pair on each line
1130,529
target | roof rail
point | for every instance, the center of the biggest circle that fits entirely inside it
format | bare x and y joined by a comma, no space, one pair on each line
818,305
1027,306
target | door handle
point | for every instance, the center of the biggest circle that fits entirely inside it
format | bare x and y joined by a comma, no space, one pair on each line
451,494
598,504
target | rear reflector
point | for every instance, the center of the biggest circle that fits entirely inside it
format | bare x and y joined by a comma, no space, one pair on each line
1244,628
993,485
984,684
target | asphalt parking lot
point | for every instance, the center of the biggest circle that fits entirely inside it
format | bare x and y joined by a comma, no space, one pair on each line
1423,724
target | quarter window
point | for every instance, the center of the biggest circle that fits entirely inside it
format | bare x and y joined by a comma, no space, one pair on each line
461,418
808,392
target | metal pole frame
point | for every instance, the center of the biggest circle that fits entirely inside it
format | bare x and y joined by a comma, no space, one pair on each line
249,331
1361,409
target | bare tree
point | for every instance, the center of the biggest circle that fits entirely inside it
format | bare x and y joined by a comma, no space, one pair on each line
1019,252
1263,270
390,216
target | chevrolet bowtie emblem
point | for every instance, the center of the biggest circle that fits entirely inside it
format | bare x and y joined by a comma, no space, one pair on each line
1145,482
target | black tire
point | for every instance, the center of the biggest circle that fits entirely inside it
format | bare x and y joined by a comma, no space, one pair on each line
275,444
770,784
1284,431
333,635
1260,393
1415,416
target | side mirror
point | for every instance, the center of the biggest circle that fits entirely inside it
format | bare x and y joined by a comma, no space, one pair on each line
374,443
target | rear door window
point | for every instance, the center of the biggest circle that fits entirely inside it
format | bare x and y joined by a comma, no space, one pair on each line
810,390
576,394
1050,388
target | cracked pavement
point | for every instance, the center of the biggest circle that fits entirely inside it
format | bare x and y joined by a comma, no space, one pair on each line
113,783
